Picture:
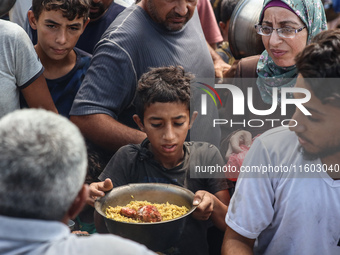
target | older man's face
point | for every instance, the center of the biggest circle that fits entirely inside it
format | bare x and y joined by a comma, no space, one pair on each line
172,14
98,8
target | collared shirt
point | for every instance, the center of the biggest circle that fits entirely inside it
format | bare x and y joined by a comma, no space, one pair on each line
34,237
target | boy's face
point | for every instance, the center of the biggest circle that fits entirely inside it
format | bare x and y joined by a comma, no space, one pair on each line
318,133
166,125
57,35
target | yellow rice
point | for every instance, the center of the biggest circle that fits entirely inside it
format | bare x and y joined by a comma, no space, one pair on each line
168,211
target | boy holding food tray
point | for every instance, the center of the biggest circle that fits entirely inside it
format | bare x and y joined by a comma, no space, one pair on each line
163,113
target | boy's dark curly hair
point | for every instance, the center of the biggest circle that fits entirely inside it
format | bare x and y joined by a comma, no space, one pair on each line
71,9
319,64
163,84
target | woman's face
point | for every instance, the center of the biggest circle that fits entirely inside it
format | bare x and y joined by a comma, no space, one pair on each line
283,50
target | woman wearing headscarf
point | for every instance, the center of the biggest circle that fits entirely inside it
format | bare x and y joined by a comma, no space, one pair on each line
286,27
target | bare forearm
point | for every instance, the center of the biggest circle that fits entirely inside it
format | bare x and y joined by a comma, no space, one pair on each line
235,244
106,132
221,202
234,247
218,215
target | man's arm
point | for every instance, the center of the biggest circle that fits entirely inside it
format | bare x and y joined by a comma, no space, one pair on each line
220,66
220,209
236,244
106,132
37,95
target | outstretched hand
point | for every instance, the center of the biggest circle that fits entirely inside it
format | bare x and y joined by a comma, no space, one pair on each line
98,189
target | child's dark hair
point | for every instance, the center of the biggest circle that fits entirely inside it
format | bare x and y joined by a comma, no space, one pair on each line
321,59
226,9
97,159
71,9
163,84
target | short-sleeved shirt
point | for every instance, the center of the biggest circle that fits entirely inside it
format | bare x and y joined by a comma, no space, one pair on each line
208,20
33,237
289,204
129,48
19,65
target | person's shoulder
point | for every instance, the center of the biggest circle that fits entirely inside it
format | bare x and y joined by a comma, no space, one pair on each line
125,3
129,149
250,60
112,12
6,24
126,23
10,29
279,137
280,131
83,59
116,7
14,39
196,147
109,244
130,15
246,67
82,53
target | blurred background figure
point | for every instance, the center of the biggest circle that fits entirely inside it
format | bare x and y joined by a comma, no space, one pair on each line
208,21
226,10
5,6
18,14
332,9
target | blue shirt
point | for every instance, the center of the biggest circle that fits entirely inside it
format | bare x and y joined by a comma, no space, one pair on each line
64,89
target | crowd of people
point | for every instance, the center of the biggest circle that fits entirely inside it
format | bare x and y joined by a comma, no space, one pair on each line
126,95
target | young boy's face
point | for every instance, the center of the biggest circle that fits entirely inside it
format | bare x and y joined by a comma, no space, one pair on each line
57,35
166,125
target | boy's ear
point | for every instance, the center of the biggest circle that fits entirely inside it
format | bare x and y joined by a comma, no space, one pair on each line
138,122
192,119
85,24
32,20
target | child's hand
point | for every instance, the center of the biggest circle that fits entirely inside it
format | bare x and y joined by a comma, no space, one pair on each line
98,189
205,205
